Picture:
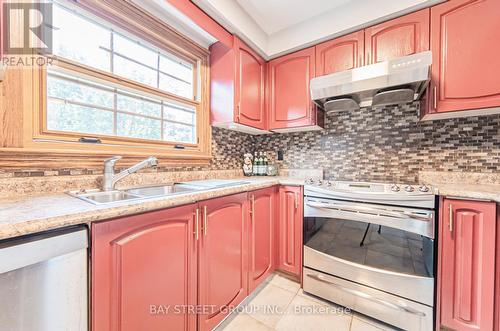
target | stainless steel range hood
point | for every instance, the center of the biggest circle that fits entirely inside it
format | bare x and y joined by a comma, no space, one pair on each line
391,82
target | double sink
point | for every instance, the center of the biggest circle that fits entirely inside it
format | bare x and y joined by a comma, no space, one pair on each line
99,197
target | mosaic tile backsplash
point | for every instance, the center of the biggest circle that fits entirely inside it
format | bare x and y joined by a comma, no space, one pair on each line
228,148
372,144
390,144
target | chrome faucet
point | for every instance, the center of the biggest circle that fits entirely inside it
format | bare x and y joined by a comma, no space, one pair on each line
110,179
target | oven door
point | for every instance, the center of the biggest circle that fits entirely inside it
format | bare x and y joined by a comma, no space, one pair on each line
384,247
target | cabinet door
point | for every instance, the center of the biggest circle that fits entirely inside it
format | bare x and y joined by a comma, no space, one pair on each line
223,252
468,230
290,229
340,54
402,36
250,70
465,61
261,233
142,266
290,103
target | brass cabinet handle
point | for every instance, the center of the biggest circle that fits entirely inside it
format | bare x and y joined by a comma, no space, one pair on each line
434,96
451,218
252,210
197,225
296,200
205,224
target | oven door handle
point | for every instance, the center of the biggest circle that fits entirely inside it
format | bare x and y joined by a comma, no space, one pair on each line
366,296
370,211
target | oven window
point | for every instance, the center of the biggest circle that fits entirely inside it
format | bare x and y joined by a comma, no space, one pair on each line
372,245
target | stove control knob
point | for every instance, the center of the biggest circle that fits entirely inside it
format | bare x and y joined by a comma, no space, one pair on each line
310,181
409,188
423,188
395,188
320,182
328,183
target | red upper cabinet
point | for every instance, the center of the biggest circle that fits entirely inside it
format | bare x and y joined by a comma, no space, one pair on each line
465,63
250,78
261,235
223,261
402,36
290,104
290,229
467,264
340,54
141,262
237,87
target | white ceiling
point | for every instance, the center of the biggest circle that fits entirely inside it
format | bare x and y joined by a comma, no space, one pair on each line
271,16
277,27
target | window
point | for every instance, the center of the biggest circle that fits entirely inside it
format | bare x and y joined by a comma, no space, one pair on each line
120,87
83,40
78,105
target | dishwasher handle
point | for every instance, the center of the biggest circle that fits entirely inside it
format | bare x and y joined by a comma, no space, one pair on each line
22,252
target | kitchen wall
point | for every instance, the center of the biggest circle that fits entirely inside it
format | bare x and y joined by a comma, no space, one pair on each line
228,148
390,144
386,144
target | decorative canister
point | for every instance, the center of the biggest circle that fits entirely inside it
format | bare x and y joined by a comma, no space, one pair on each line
247,164
272,169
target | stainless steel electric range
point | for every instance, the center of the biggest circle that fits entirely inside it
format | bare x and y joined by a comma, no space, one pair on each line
371,247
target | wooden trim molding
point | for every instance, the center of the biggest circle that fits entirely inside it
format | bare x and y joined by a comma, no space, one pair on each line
24,140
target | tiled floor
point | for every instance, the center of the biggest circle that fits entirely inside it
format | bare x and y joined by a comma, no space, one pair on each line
280,305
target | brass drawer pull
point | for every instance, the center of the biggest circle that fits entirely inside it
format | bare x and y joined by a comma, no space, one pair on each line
205,224
451,218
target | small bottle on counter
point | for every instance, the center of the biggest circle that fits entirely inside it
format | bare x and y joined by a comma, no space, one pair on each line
255,169
265,165
260,165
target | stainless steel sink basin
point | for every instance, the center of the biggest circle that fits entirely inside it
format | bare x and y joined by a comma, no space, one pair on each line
163,190
99,197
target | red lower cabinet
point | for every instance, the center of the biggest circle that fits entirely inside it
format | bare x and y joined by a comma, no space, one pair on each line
150,270
223,257
290,230
142,267
261,235
467,264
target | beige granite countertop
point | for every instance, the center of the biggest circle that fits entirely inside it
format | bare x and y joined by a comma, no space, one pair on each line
31,214
473,191
39,213
464,185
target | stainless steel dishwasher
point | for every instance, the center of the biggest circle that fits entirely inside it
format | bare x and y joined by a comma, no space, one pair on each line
44,281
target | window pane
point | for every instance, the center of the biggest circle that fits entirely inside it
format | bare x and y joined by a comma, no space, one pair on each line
80,40
86,39
179,132
176,86
138,106
73,118
75,104
177,68
64,89
134,71
133,50
138,127
179,115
